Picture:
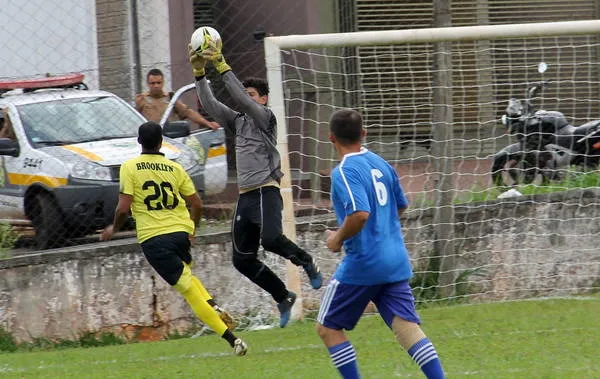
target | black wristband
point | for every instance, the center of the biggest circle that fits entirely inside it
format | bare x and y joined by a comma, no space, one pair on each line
198,78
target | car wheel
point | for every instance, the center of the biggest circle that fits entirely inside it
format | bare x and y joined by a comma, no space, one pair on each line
48,222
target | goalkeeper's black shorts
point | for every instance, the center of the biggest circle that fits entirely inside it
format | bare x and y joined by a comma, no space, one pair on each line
166,254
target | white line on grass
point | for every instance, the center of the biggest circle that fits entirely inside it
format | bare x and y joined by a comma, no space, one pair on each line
6,368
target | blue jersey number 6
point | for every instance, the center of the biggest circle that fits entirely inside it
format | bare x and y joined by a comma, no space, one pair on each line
380,190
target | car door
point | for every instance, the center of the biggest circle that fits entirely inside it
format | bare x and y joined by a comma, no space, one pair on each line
31,167
11,195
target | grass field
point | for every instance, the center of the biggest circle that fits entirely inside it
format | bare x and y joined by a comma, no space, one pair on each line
546,338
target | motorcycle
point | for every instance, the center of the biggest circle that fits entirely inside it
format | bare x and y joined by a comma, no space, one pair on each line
546,143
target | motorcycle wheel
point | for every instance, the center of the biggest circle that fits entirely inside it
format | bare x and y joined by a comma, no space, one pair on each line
509,171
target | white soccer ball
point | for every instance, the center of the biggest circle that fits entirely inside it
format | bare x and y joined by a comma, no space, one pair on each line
199,36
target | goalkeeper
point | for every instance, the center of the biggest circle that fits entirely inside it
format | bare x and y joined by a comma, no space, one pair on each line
367,199
257,217
156,189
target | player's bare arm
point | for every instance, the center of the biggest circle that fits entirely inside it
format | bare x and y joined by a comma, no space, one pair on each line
351,226
195,203
121,214
197,118
139,102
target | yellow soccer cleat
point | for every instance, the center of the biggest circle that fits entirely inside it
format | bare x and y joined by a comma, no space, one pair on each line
225,317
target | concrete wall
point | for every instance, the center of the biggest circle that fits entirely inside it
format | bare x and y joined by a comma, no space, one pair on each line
536,246
115,50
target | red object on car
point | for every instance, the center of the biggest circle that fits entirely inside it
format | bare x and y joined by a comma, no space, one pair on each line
47,82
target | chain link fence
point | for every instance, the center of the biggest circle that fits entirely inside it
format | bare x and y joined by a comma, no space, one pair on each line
60,172
70,73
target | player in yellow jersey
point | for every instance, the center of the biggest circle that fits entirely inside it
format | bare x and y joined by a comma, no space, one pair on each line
156,189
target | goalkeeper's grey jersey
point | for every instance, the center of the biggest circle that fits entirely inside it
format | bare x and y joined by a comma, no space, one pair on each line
255,129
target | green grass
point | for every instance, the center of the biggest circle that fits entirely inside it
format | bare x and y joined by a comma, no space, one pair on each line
571,180
551,338
8,239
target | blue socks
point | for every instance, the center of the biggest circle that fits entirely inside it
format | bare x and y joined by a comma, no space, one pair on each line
426,357
343,356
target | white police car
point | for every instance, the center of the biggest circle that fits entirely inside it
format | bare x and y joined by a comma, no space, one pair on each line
62,154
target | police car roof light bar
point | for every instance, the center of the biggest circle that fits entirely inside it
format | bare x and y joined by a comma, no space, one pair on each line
62,81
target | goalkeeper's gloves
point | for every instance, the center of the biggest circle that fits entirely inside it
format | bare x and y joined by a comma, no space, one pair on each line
213,54
198,62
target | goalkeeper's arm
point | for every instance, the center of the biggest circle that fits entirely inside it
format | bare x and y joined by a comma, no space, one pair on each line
219,111
244,103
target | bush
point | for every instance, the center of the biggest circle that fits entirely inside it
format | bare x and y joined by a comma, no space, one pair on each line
7,342
104,339
8,238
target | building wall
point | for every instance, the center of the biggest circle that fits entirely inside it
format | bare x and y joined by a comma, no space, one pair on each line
181,27
159,41
237,20
40,38
154,38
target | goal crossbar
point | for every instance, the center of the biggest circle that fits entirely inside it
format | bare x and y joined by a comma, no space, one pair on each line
460,33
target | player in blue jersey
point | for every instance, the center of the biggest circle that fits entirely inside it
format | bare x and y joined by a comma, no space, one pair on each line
368,199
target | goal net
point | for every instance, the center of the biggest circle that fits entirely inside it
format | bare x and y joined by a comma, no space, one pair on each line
469,239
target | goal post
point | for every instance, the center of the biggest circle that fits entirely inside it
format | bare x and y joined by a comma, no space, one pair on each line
387,75
274,78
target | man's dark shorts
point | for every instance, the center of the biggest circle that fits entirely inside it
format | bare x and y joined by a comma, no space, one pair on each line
166,254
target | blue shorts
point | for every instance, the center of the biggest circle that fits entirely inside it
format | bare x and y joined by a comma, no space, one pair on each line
343,304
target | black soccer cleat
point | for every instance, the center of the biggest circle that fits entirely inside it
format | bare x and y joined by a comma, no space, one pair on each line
285,309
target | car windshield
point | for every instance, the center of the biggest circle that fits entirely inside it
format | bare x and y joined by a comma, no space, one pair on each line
68,121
